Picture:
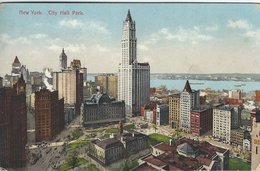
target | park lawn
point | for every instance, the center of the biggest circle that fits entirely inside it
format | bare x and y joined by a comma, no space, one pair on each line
105,136
111,130
156,138
65,166
76,144
237,164
94,131
129,127
90,167
76,134
128,166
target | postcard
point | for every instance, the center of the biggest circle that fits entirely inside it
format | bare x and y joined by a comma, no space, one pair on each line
129,86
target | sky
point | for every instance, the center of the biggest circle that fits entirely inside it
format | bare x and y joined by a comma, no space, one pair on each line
172,37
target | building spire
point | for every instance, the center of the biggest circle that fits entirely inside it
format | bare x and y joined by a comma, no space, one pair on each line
16,60
187,87
128,17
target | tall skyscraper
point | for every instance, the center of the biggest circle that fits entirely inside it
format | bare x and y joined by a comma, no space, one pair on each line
133,77
63,60
69,84
174,110
189,100
16,67
49,114
13,125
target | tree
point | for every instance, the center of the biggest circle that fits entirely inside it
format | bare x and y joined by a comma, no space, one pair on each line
154,127
73,159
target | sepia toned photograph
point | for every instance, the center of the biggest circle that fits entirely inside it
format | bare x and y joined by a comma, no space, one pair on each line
129,86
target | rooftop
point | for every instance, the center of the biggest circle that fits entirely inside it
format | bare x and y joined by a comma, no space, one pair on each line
225,107
144,167
205,154
116,141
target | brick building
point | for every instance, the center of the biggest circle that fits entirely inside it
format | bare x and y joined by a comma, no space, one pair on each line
49,114
257,96
201,120
184,154
13,125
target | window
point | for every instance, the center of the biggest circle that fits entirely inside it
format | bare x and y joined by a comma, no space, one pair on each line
256,150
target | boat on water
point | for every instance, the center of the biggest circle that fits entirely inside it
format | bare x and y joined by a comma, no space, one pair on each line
197,83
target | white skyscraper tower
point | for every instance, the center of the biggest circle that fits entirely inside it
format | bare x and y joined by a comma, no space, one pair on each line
133,77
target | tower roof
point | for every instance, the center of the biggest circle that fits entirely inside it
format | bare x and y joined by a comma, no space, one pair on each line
63,53
16,60
128,17
187,87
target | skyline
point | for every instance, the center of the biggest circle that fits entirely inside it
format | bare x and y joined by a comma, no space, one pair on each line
179,40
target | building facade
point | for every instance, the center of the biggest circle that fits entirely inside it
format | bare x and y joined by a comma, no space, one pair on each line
237,137
234,94
255,155
253,115
107,84
49,115
13,125
222,122
257,96
69,84
174,110
1,82
133,77
120,146
162,114
189,99
185,154
102,109
201,120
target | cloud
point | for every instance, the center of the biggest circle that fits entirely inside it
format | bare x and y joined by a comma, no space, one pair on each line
253,35
212,28
69,47
73,23
6,39
239,24
193,35
93,26
38,36
96,26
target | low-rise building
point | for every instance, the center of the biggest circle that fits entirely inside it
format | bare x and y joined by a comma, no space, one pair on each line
100,109
185,154
120,146
237,137
201,119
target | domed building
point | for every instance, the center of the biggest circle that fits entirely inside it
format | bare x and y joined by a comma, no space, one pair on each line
101,109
